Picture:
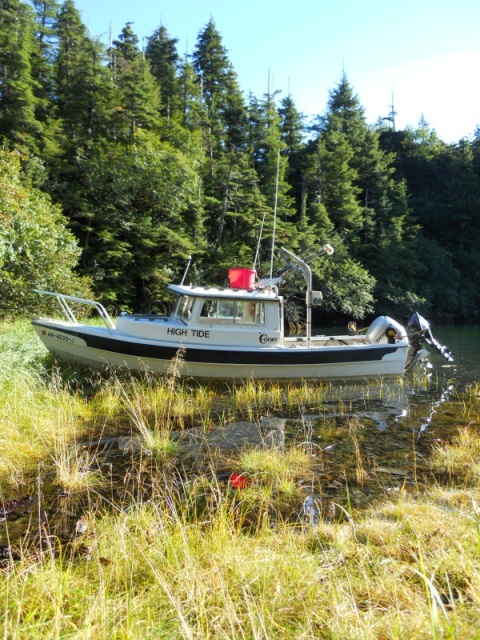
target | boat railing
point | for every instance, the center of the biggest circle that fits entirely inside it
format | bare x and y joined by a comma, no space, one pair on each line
63,301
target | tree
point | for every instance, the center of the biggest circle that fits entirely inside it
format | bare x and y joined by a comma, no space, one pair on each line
365,201
161,52
444,197
220,92
82,84
42,60
137,96
271,164
18,121
36,248
190,97
139,217
292,125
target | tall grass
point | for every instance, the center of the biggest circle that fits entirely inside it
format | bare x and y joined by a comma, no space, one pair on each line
409,570
34,407
201,557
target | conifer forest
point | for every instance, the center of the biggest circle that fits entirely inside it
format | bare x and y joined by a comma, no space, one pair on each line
118,162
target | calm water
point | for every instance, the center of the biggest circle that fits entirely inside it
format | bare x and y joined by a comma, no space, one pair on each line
464,341
390,428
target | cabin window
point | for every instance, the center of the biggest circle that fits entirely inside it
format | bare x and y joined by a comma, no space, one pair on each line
184,307
241,311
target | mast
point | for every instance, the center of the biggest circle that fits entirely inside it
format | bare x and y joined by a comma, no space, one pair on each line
307,274
302,266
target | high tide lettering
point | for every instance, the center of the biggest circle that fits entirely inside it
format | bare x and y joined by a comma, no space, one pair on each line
199,333
173,331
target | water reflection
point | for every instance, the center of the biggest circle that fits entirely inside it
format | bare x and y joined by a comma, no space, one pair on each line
464,341
363,440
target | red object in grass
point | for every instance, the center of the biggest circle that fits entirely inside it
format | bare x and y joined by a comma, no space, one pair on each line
238,481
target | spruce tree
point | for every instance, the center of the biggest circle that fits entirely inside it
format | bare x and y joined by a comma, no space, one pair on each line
364,200
220,92
82,83
161,52
271,164
190,97
18,102
42,60
144,222
137,95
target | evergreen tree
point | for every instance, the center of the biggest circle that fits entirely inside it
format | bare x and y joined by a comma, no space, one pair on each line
292,125
340,192
36,248
292,128
140,217
82,84
361,195
220,92
237,206
18,121
42,61
271,165
161,52
137,95
190,97
444,197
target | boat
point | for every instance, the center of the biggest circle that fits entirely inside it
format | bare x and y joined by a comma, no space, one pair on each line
235,333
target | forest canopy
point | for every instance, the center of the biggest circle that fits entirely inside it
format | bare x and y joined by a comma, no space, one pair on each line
118,163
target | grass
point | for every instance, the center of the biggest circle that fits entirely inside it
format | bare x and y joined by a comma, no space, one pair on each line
409,569
193,555
459,458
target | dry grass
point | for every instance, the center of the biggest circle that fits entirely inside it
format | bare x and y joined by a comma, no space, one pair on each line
406,569
204,560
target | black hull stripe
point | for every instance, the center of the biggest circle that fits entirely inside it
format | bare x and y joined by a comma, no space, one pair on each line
293,356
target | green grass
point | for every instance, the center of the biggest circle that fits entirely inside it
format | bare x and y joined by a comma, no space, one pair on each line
408,569
193,556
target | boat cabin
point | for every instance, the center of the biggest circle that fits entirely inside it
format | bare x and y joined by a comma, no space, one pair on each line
214,315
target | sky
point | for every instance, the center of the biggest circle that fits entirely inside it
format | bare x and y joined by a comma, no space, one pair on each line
424,54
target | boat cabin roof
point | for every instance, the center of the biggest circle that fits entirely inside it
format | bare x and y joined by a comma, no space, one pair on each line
224,292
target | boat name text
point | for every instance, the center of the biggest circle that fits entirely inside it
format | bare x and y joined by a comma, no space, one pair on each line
172,331
196,333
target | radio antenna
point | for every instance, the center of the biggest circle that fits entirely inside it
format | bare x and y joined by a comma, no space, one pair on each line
275,214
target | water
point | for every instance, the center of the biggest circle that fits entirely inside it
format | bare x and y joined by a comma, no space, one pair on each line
364,439
464,341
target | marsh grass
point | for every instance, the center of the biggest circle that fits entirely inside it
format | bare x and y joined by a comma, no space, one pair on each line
408,569
41,413
194,557
459,458
256,396
76,468
279,471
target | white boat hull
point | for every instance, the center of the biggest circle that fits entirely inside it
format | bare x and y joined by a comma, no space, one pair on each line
99,348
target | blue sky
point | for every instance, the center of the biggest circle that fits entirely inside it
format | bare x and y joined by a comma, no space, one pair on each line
425,53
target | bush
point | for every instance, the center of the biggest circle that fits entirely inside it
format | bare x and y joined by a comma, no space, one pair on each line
36,248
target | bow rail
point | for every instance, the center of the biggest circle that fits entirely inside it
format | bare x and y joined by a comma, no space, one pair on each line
70,316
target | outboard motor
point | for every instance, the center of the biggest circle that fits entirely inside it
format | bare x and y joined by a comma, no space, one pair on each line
419,333
384,329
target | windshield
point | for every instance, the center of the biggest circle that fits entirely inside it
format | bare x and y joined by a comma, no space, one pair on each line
184,307
243,311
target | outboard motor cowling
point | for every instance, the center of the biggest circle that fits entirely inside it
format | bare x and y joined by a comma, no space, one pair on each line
384,329
419,333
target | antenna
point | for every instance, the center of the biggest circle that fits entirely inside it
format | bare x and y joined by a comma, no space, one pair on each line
259,239
275,213
391,115
186,269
